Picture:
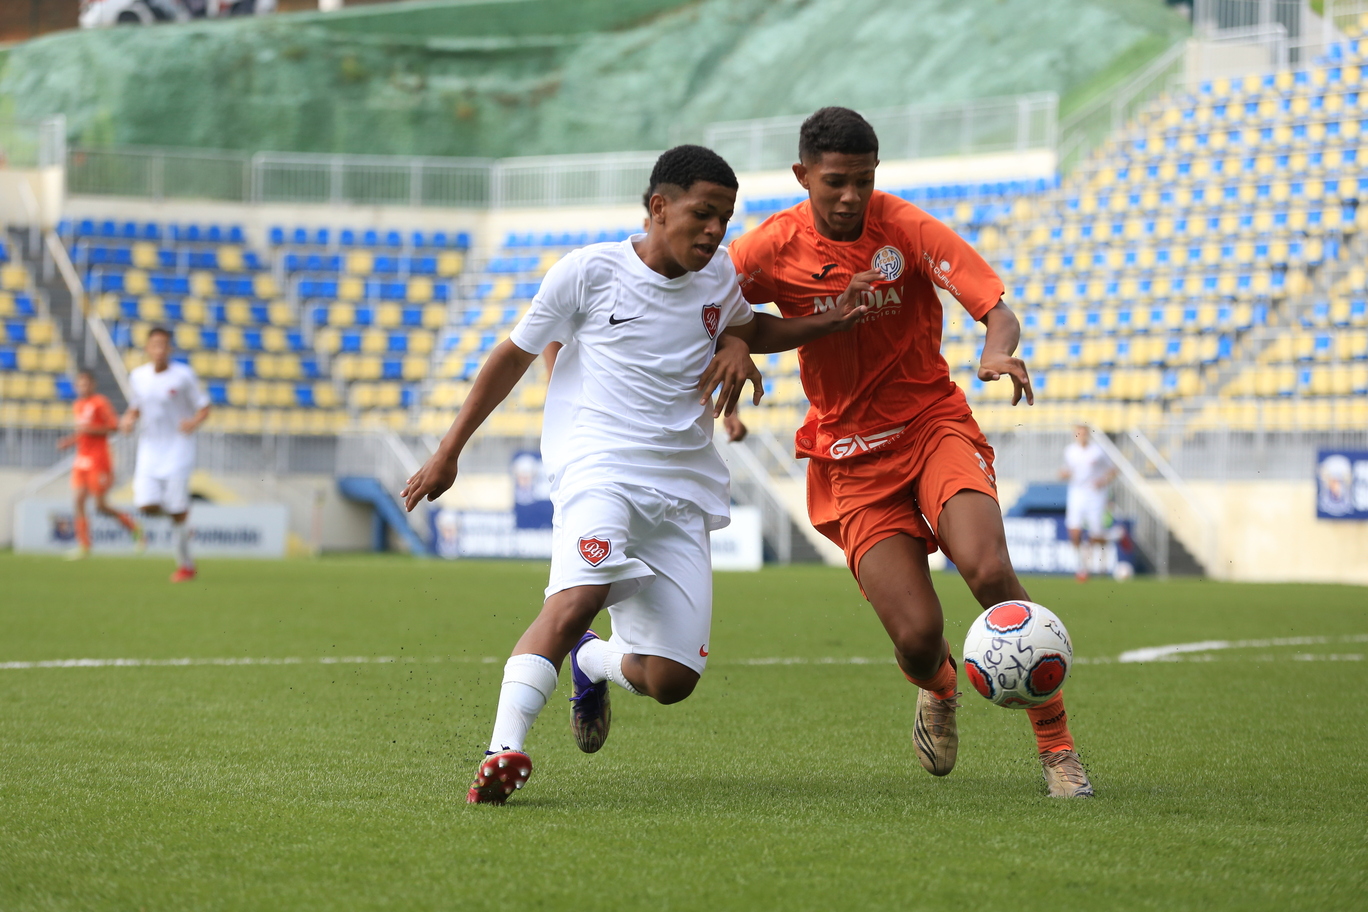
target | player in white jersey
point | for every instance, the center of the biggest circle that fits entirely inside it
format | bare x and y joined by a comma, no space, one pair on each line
1088,471
167,407
627,444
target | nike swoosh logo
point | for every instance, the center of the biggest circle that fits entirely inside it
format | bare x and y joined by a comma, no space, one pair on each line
703,651
823,274
614,321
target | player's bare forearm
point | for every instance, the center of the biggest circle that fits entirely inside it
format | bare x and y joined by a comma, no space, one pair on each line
129,421
999,349
505,367
192,424
777,334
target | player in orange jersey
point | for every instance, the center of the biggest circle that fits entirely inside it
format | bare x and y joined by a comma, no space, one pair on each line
92,472
897,465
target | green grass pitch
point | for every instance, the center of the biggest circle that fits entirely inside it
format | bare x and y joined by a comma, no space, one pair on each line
1240,781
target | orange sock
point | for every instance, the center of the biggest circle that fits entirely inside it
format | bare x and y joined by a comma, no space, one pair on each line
83,532
126,521
1050,722
942,686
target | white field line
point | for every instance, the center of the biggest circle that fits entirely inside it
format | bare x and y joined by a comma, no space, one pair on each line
1174,653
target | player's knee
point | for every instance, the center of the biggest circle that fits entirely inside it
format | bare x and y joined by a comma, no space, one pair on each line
668,681
990,575
920,642
675,688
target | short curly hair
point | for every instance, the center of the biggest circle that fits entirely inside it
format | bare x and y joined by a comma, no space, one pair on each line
839,130
684,166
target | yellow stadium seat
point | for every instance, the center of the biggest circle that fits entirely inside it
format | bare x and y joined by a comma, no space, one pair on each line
144,254
230,338
281,313
341,315
192,310
135,282
238,393
273,339
389,315
230,258
325,394
450,263
360,262
415,367
264,285
421,342
14,277
202,284
351,288
374,341
419,290
238,311
434,316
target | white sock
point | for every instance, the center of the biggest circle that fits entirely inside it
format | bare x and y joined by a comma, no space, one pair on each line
528,682
180,538
600,663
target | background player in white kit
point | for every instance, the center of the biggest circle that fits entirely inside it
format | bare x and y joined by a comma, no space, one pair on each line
167,407
1088,471
627,444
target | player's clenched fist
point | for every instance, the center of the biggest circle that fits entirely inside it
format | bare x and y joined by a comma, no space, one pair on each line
430,482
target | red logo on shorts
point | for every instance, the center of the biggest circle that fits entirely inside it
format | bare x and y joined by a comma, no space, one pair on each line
703,650
712,319
595,550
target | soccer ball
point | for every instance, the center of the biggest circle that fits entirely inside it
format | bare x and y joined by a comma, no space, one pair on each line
1017,654
1123,571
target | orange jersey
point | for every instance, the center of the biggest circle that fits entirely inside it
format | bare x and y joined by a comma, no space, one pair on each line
92,450
873,386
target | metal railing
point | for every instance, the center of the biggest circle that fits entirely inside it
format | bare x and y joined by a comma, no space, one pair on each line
33,143
1003,124
572,180
370,180
751,485
159,173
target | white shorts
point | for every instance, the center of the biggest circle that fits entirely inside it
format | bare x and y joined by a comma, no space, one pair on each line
171,493
1084,509
654,552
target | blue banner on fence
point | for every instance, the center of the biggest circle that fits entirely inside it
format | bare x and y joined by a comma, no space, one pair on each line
1342,484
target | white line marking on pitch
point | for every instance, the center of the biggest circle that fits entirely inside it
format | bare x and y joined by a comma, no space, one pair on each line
1178,652
1173,652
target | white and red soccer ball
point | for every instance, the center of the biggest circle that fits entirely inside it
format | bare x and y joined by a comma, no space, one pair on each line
1017,654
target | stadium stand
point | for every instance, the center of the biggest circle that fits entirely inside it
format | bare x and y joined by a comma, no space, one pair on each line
1202,264
35,367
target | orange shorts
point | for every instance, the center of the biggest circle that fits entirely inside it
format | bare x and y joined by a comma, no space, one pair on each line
96,479
857,503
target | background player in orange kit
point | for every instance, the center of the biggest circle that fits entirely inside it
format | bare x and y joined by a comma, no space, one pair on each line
898,466
92,472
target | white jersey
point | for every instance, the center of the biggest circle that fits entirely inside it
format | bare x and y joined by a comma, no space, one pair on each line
622,405
1088,465
164,399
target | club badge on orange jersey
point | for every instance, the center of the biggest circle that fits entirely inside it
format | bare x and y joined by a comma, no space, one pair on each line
712,319
889,262
595,550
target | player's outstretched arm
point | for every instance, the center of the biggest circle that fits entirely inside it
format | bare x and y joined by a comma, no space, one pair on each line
505,367
129,421
999,347
192,424
769,333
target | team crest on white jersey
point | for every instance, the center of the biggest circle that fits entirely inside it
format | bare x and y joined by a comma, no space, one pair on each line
712,319
889,262
595,550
